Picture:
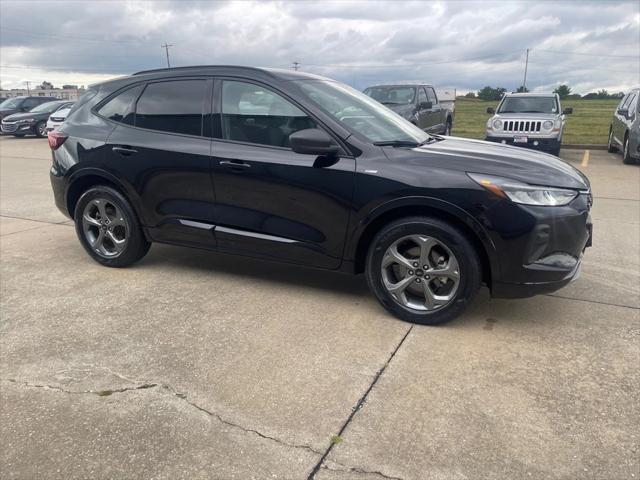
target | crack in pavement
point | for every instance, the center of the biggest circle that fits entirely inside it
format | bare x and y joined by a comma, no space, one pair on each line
357,470
182,396
358,406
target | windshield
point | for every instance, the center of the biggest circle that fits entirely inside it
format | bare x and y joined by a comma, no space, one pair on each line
46,107
11,103
390,95
360,113
529,105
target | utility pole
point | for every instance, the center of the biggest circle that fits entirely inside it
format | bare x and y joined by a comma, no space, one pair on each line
296,65
166,49
28,89
526,65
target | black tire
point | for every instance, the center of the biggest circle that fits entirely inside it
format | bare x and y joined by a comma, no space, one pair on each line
447,128
40,129
611,148
136,245
626,154
470,269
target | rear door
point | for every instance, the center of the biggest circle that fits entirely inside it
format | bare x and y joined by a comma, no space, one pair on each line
162,146
271,201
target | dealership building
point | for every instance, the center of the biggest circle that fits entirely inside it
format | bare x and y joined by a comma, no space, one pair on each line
68,92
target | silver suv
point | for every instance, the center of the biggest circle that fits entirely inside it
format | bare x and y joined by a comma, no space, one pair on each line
532,120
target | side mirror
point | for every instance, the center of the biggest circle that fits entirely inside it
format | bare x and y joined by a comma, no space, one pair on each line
426,105
624,112
567,111
491,110
313,141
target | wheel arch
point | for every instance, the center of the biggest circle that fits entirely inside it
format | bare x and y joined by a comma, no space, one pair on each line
424,207
80,182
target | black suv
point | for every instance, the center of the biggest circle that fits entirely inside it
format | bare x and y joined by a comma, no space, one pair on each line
21,104
624,132
299,168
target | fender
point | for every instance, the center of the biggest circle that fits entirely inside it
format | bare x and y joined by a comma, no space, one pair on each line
125,188
427,202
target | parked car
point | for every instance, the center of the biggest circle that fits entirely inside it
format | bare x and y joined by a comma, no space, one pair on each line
34,121
21,104
295,167
57,117
532,120
624,132
418,103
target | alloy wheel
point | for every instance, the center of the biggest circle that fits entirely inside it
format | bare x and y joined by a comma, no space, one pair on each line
104,227
42,127
420,272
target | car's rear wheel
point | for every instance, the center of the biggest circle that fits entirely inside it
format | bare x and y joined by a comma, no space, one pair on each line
108,228
40,129
423,270
611,148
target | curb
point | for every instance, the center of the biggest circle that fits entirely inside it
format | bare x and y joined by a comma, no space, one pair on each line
584,146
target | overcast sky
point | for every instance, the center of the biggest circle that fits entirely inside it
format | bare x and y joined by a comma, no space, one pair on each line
461,44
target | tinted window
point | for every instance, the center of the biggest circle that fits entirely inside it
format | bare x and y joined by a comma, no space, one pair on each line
392,95
251,113
29,103
628,100
172,107
624,99
632,104
120,108
431,94
528,104
422,96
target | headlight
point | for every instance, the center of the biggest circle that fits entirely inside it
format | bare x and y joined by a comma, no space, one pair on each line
520,192
26,120
497,124
547,125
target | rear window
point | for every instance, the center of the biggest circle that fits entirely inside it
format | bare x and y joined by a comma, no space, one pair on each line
174,106
120,108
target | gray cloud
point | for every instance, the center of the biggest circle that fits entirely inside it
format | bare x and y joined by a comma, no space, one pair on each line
462,44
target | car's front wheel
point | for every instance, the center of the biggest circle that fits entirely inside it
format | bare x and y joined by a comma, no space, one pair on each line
108,228
626,154
423,270
611,148
40,129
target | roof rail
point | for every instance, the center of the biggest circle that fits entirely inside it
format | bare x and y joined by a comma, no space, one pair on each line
191,67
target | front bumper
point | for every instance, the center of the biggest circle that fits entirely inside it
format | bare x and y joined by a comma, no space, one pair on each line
535,143
16,128
540,248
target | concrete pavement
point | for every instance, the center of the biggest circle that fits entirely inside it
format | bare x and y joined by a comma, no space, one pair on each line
198,365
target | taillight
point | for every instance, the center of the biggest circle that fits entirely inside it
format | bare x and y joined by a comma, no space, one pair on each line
56,139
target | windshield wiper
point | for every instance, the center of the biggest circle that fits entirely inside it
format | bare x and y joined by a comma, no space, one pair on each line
396,143
532,111
391,103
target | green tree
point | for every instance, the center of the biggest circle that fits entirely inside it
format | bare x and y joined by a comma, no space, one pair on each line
522,89
563,90
491,94
46,85
470,95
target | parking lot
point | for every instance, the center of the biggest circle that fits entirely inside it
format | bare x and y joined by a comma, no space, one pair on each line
198,365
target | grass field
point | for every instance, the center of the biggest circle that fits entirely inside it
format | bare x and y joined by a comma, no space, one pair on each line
589,122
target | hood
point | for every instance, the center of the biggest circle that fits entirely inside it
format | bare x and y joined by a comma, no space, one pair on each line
478,156
20,116
6,112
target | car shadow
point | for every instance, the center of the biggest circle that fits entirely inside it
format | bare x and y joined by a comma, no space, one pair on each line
247,267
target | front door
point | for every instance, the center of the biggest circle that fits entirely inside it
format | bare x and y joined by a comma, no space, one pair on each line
271,201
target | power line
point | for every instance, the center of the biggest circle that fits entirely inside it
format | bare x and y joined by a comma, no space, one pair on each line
586,54
84,39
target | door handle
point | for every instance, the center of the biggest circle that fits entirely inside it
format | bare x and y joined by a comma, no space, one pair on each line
234,164
124,150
